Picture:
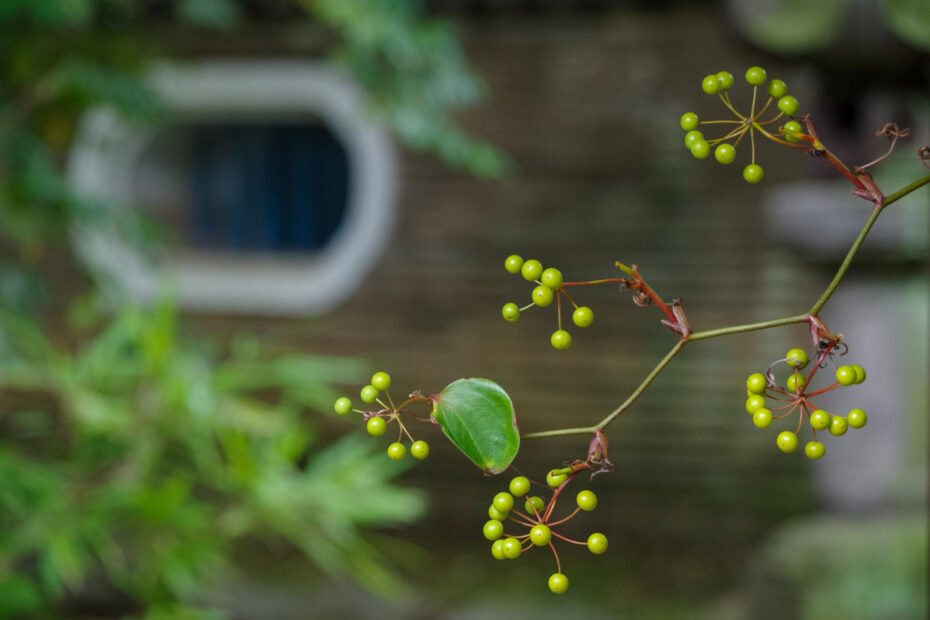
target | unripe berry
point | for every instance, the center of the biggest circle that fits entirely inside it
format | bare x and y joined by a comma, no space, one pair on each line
552,278
838,425
381,381
513,263
583,316
777,88
534,505
756,383
586,500
788,105
710,85
497,515
519,486
493,529
796,382
531,270
820,420
369,394
754,402
497,550
814,450
797,358
860,373
510,312
792,129
787,441
689,121
342,405
597,543
700,149
753,173
725,153
691,137
503,501
558,583
857,418
756,76
762,418
511,548
555,478
725,80
419,449
846,375
396,451
542,296
560,340
376,426
540,535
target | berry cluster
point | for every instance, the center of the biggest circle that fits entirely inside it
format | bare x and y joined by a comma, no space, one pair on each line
376,421
794,396
550,287
538,519
724,147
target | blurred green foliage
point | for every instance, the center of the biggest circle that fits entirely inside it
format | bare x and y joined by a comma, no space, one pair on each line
133,460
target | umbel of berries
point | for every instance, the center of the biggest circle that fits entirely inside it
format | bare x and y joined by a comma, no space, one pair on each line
770,116
519,521
769,400
549,290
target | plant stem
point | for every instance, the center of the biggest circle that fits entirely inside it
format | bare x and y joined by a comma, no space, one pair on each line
739,329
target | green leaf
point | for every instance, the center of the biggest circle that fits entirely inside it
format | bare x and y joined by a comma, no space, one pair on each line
477,416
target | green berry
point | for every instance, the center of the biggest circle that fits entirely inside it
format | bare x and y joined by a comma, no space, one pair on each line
503,501
552,278
788,105
497,550
838,425
510,312
796,382
797,358
586,500
419,449
792,129
754,402
369,394
555,478
820,420
860,373
496,514
700,149
777,88
756,76
710,85
531,270
762,418
342,405
542,296
725,80
753,173
691,137
493,529
814,450
857,418
534,505
597,543
511,548
519,486
725,153
846,375
540,535
381,381
396,451
583,316
787,441
376,426
756,383
558,583
689,121
513,263
560,339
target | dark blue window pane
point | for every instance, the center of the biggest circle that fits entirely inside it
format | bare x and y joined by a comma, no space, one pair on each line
268,187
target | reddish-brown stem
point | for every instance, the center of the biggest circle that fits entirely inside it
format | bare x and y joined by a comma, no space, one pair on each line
568,540
561,521
824,390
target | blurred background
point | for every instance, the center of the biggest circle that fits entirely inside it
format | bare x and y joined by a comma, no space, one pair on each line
216,216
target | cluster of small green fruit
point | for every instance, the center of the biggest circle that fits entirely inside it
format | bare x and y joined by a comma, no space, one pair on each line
537,517
793,397
550,287
376,422
719,84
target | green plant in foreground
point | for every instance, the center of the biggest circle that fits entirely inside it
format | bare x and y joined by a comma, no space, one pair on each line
482,417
